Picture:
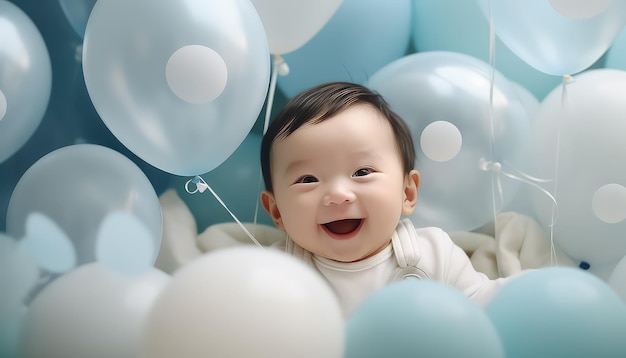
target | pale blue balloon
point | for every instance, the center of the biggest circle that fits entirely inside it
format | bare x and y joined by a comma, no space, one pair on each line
19,273
124,244
414,318
179,83
77,187
423,88
616,55
360,38
461,26
46,242
559,312
548,39
25,79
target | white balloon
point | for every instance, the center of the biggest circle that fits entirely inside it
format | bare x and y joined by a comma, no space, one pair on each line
578,137
289,24
90,312
245,302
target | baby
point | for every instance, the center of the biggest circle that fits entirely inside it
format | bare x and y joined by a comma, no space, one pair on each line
338,166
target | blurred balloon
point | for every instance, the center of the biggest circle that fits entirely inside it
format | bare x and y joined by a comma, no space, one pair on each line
617,280
77,187
361,37
25,80
414,318
460,26
124,244
18,272
179,83
580,9
102,314
242,170
453,89
577,140
245,302
77,13
47,244
290,24
559,312
616,55
556,37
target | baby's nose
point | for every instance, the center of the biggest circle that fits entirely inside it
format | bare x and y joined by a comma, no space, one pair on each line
339,193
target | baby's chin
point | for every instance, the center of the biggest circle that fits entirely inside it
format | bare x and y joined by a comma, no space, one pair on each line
352,256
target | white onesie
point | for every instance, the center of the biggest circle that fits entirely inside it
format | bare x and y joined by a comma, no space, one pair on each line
425,253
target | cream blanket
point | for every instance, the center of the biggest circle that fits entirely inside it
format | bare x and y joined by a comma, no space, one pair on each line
516,242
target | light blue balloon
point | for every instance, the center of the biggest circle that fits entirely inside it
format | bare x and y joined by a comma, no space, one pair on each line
77,187
77,13
461,26
19,273
179,83
361,37
46,242
545,37
124,244
616,55
414,318
25,79
427,87
559,312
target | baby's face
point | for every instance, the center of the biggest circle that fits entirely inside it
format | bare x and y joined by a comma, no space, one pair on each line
339,186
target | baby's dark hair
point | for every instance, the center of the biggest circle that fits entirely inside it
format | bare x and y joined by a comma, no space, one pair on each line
324,101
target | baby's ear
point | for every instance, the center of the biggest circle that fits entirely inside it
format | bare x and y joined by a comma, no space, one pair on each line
411,185
269,204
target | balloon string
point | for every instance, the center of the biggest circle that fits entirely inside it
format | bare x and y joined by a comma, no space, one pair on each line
279,66
201,186
522,177
496,184
567,79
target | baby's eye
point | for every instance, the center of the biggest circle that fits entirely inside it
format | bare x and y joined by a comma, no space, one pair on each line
363,172
306,179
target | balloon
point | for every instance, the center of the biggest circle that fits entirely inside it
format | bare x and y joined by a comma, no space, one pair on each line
362,36
444,98
585,125
91,312
46,242
76,187
559,312
414,318
242,170
124,244
77,13
25,80
181,83
617,280
616,55
18,278
290,24
556,37
245,301
460,26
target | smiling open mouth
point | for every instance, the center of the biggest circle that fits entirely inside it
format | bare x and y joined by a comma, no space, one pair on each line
343,227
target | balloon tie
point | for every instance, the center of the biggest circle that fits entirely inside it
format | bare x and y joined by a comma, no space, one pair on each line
200,186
